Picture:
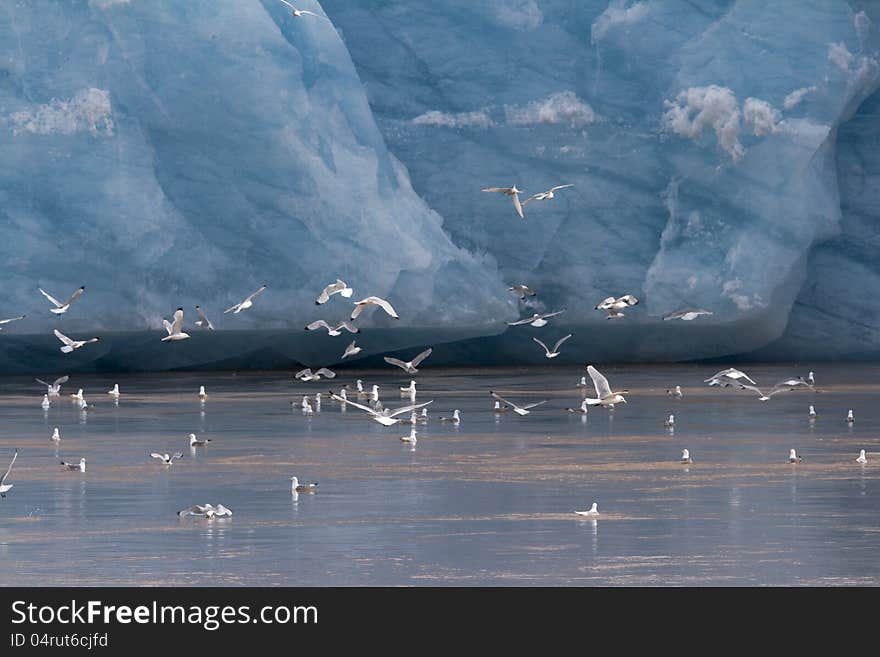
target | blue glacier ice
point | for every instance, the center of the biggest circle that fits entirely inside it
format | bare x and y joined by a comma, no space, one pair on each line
723,154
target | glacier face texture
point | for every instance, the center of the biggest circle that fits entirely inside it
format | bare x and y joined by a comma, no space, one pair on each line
165,154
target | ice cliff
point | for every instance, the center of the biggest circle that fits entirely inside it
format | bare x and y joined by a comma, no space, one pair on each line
169,153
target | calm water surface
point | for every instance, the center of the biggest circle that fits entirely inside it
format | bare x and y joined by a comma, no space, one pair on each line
486,503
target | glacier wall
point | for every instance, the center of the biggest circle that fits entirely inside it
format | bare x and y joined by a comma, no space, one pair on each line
170,154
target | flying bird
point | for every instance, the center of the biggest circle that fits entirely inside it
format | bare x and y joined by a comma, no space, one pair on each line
175,329
205,511
333,330
686,314
165,458
613,306
522,291
70,345
4,487
384,416
519,410
352,350
299,13
54,389
359,307
308,375
410,366
339,287
604,395
11,319
513,192
61,307
244,305
555,352
545,196
727,377
537,320
203,321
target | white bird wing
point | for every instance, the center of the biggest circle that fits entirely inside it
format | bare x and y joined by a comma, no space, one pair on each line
559,342
379,301
520,322
204,318
324,297
176,455
54,301
320,323
496,189
63,338
422,356
348,326
369,410
542,344
325,372
605,303
231,308
168,327
546,315
11,319
9,469
251,297
288,4
395,361
553,189
221,510
43,382
156,455
178,321
408,409
306,372
74,296
528,406
60,380
311,13
502,399
602,388
518,206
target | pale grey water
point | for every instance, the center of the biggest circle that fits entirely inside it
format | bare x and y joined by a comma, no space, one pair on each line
487,503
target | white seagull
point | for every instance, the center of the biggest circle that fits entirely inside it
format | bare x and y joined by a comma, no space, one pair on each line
205,511
850,417
408,390
537,320
674,392
522,291
722,378
604,395
333,330
11,319
4,487
339,287
244,305
385,416
592,511
411,438
70,345
455,419
81,466
297,487
308,375
195,442
54,389
555,352
686,314
165,458
812,413
359,307
513,192
862,458
61,308
174,329
352,350
115,391
299,13
670,422
203,321
45,404
545,196
613,305
202,394
56,435
409,366
519,410
793,456
686,456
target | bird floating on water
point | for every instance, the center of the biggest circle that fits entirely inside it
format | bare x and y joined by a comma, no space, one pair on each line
592,511
519,410
670,422
208,511
56,435
812,413
455,419
674,392
202,394
70,345
45,404
862,458
114,392
793,456
411,438
555,351
81,466
499,407
245,304
513,192
195,442
686,457
297,487
61,307
340,287
850,417
409,366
